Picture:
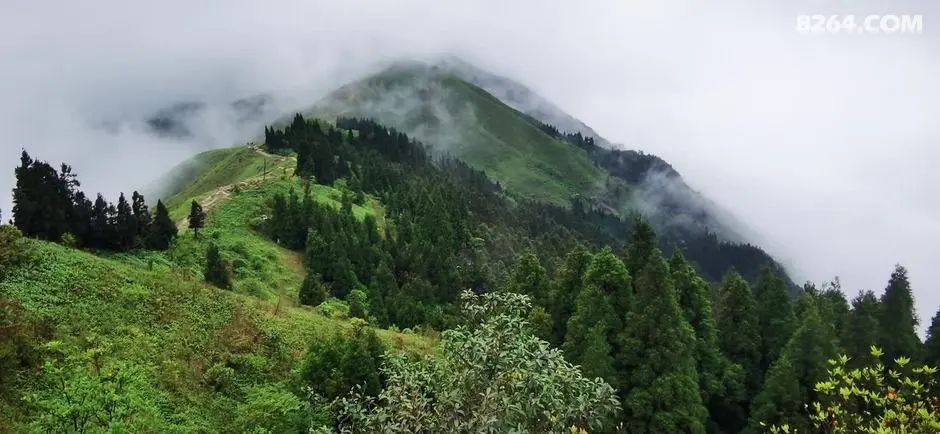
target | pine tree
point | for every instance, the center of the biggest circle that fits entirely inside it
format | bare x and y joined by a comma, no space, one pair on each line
608,273
791,380
738,329
162,231
102,232
529,278
642,244
932,345
216,271
739,340
312,291
658,356
719,378
898,322
141,214
592,317
197,218
861,330
565,288
775,316
125,226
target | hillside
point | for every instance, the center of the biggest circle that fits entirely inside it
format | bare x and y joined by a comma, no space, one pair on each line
192,352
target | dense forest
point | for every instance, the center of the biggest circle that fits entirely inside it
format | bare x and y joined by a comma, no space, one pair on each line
542,318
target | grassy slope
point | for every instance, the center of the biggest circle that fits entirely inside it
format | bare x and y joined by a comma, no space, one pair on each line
490,135
153,309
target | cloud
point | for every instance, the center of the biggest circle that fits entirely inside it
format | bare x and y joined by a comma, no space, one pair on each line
825,145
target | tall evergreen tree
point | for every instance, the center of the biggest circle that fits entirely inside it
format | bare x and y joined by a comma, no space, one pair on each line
565,288
719,378
739,340
608,273
197,218
642,244
102,231
141,214
125,225
898,322
861,331
658,356
529,278
790,383
163,230
592,317
216,271
775,316
932,345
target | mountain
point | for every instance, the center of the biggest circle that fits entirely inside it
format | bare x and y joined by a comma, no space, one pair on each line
536,150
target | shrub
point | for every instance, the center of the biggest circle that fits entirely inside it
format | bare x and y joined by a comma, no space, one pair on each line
12,248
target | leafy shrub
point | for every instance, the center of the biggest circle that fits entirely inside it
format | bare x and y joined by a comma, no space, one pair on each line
337,364
492,375
12,248
270,409
875,399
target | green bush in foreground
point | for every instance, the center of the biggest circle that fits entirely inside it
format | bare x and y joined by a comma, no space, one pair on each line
875,399
492,375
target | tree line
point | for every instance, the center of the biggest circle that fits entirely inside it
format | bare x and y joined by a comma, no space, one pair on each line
685,354
47,204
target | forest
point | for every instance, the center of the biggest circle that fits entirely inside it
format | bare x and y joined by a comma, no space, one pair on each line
519,316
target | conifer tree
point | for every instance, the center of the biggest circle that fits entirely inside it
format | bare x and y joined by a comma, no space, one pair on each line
642,244
162,231
739,340
775,316
141,214
790,383
125,226
608,273
197,218
932,344
216,271
565,288
102,232
658,356
529,278
591,319
312,291
719,378
898,322
738,329
861,331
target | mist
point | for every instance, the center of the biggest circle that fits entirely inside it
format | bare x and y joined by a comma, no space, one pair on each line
823,145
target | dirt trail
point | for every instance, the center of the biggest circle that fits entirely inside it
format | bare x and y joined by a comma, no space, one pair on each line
224,192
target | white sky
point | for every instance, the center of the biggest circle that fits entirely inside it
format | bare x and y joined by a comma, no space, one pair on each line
825,145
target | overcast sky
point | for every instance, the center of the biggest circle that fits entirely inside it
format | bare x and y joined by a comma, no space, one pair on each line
825,145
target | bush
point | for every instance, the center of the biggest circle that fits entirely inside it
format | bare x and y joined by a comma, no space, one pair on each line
337,364
492,375
875,399
12,248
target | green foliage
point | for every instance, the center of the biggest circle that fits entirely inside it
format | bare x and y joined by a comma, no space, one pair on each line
932,344
789,383
197,218
86,390
862,329
358,302
12,248
217,272
658,358
569,280
775,316
529,278
592,317
719,378
491,375
271,409
897,318
347,359
874,399
738,327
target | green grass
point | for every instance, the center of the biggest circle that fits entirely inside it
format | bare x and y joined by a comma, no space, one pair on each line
152,310
477,128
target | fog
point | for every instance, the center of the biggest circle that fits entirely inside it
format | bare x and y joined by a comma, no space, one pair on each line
823,144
